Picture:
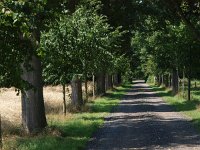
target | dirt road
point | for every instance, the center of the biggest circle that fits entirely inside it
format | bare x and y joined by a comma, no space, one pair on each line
143,121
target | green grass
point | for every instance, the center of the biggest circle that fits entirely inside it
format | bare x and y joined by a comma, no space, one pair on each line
180,104
71,133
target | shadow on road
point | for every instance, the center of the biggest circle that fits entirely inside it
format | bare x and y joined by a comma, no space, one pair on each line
144,121
147,132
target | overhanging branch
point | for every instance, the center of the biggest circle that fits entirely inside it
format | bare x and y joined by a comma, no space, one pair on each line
194,31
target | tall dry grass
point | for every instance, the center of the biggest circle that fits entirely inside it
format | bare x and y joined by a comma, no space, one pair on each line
10,105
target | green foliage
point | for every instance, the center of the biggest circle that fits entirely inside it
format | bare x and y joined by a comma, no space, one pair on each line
164,39
158,56
20,25
81,43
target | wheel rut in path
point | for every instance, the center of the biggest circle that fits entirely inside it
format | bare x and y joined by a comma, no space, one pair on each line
143,121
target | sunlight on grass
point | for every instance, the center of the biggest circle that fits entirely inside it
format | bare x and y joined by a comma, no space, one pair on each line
72,131
190,108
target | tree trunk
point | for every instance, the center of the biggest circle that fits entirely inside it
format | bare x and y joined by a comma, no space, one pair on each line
94,87
115,80
170,80
64,101
189,75
189,88
119,77
146,78
175,81
166,81
101,84
77,99
159,80
33,110
1,141
183,82
108,80
154,80
86,90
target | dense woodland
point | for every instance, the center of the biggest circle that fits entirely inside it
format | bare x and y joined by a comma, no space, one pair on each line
47,42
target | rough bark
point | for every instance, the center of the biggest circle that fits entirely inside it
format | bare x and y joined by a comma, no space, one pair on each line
119,78
175,81
166,81
106,82
77,98
159,80
162,79
93,87
64,101
154,80
86,90
33,110
109,83
183,82
189,75
146,78
115,80
101,84
189,88
1,144
170,80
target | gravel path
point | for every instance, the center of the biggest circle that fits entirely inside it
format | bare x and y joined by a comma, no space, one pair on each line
143,121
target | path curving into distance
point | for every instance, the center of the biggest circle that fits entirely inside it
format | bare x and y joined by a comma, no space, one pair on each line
143,121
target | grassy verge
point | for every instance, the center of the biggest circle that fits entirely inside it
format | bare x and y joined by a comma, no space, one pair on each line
189,108
73,131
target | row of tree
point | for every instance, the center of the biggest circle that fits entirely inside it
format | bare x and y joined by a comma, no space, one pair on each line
48,42
54,42
168,43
